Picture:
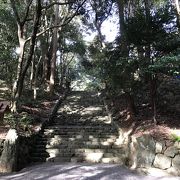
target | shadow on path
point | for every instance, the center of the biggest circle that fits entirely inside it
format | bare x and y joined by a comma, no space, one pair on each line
57,171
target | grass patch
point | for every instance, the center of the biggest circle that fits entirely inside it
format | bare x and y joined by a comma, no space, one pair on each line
176,137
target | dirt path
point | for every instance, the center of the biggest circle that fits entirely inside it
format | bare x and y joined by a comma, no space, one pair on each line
68,171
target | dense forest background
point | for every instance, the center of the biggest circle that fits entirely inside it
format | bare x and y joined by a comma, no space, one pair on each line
44,51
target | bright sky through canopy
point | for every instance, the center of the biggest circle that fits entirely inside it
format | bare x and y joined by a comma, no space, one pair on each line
109,29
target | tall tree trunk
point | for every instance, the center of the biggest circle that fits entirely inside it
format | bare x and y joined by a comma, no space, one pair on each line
151,77
32,72
153,97
125,53
47,64
131,109
36,77
53,60
20,80
20,59
124,48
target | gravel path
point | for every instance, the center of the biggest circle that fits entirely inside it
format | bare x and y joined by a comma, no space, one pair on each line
68,171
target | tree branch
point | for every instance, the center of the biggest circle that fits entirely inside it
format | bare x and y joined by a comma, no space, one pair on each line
67,21
58,3
27,12
15,12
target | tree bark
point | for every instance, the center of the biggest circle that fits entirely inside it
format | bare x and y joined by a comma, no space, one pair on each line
124,48
32,73
125,53
20,80
153,97
151,77
53,60
131,110
36,77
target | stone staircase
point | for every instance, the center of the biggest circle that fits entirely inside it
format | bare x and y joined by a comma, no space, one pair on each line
81,132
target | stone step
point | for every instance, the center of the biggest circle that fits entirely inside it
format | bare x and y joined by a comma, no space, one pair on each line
67,128
59,132
61,121
89,159
59,138
77,150
87,143
48,159
41,154
76,123
85,155
77,137
59,159
38,159
78,131
79,144
70,148
82,144
80,134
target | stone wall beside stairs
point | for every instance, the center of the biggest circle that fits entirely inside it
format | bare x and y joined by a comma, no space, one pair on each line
15,151
146,152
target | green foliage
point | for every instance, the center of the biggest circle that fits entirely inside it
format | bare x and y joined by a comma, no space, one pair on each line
8,43
22,120
141,32
168,65
152,43
94,86
25,120
71,39
176,137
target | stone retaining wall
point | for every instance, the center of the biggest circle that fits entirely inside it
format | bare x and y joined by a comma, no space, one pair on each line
146,152
15,154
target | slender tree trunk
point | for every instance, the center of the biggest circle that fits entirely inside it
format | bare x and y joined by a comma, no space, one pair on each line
47,64
98,28
125,53
53,60
153,97
36,77
20,80
32,45
63,75
124,48
21,57
32,73
22,43
151,77
131,109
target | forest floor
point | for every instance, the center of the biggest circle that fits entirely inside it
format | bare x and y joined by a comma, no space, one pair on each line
167,124
166,128
38,110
